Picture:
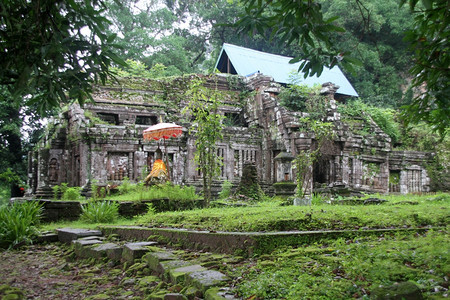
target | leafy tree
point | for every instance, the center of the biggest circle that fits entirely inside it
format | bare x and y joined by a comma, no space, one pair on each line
429,41
305,24
139,26
154,32
15,123
207,130
47,53
297,22
374,33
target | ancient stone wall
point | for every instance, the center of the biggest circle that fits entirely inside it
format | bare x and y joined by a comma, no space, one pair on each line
102,141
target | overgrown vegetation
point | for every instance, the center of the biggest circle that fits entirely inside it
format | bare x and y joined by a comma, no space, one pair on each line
385,118
139,192
225,190
346,269
207,130
323,132
18,223
100,212
64,192
270,216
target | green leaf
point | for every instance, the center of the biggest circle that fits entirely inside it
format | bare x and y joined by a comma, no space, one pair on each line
428,4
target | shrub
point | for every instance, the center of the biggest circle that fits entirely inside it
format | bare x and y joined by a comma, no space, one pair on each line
138,192
226,189
72,193
385,118
100,212
18,223
55,192
126,186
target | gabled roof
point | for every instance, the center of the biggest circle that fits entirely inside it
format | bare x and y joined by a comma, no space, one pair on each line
244,61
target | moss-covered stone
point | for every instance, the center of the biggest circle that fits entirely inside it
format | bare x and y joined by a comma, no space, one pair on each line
249,188
10,293
398,291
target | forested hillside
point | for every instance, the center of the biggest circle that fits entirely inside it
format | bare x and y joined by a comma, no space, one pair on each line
186,36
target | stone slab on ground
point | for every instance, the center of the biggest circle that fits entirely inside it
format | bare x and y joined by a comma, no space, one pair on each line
154,258
94,237
175,296
132,251
179,275
67,235
219,294
204,280
81,247
400,290
47,237
167,265
110,250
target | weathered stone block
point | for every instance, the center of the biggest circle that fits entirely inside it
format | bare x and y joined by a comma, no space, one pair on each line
47,238
179,275
110,250
132,251
153,259
219,294
149,281
174,296
166,266
67,235
81,247
203,280
397,291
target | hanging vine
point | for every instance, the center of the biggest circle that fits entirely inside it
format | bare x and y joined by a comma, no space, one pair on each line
323,132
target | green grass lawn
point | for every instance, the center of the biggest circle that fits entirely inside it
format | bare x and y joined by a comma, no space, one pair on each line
346,269
333,268
431,210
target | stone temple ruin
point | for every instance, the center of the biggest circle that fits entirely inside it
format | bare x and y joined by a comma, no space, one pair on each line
103,141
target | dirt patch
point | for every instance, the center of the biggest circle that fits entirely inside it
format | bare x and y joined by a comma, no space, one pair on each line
50,272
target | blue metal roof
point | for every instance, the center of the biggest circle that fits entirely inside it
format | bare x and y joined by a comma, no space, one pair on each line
247,61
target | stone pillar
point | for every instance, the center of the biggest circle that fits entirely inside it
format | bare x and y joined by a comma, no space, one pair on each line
43,188
345,170
130,166
139,163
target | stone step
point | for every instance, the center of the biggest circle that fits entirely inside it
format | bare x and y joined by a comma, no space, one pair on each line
82,247
206,279
47,237
216,293
109,250
179,275
132,251
154,260
199,281
67,235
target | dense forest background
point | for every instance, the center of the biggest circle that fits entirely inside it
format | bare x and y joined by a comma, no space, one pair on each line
159,38
186,37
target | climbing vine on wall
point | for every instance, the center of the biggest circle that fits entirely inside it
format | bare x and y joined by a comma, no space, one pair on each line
323,132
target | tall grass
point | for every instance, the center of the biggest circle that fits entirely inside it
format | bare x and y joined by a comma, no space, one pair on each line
5,194
138,192
18,223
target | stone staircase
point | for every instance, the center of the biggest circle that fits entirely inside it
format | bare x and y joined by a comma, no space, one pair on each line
191,278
